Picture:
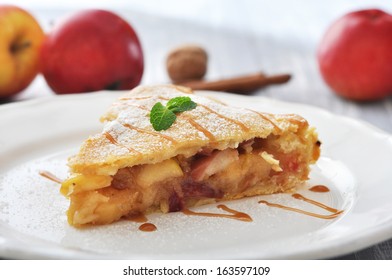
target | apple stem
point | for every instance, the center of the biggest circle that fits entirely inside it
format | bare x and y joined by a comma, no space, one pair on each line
18,47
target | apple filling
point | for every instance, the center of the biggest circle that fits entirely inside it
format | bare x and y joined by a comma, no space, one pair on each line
256,166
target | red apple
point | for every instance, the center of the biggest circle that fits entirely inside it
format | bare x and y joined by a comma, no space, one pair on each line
355,55
20,40
92,50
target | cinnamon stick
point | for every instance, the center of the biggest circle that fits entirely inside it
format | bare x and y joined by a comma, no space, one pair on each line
242,84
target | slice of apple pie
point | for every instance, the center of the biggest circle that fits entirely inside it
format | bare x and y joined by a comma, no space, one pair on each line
210,153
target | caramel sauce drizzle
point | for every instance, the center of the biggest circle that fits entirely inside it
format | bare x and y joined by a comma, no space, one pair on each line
147,227
319,188
192,122
110,138
50,176
114,142
318,204
216,100
196,125
240,124
264,117
163,98
200,128
335,212
132,104
327,217
138,106
236,215
139,218
183,89
141,130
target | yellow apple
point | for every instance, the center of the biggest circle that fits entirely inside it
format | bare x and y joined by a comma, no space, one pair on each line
20,41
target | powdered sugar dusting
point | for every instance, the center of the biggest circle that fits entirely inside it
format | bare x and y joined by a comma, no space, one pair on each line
228,125
33,207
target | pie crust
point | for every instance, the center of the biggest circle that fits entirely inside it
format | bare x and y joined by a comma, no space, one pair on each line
211,153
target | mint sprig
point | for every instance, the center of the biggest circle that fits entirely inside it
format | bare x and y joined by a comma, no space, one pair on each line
163,117
180,104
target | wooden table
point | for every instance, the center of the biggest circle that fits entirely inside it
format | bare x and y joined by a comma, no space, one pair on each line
241,38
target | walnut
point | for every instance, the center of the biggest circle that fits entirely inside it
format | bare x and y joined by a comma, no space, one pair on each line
185,63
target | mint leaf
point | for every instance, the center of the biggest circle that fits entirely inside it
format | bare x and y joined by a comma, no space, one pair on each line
161,117
180,104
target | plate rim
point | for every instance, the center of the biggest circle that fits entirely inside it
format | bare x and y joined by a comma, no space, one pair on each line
117,93
378,234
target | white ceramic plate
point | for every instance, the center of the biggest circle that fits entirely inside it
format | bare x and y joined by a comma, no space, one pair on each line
41,134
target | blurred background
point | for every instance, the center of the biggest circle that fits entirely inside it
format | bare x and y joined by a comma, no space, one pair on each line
241,37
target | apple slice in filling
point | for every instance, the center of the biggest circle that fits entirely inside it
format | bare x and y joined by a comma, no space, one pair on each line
256,166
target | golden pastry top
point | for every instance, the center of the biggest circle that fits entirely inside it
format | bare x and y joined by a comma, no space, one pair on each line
129,139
